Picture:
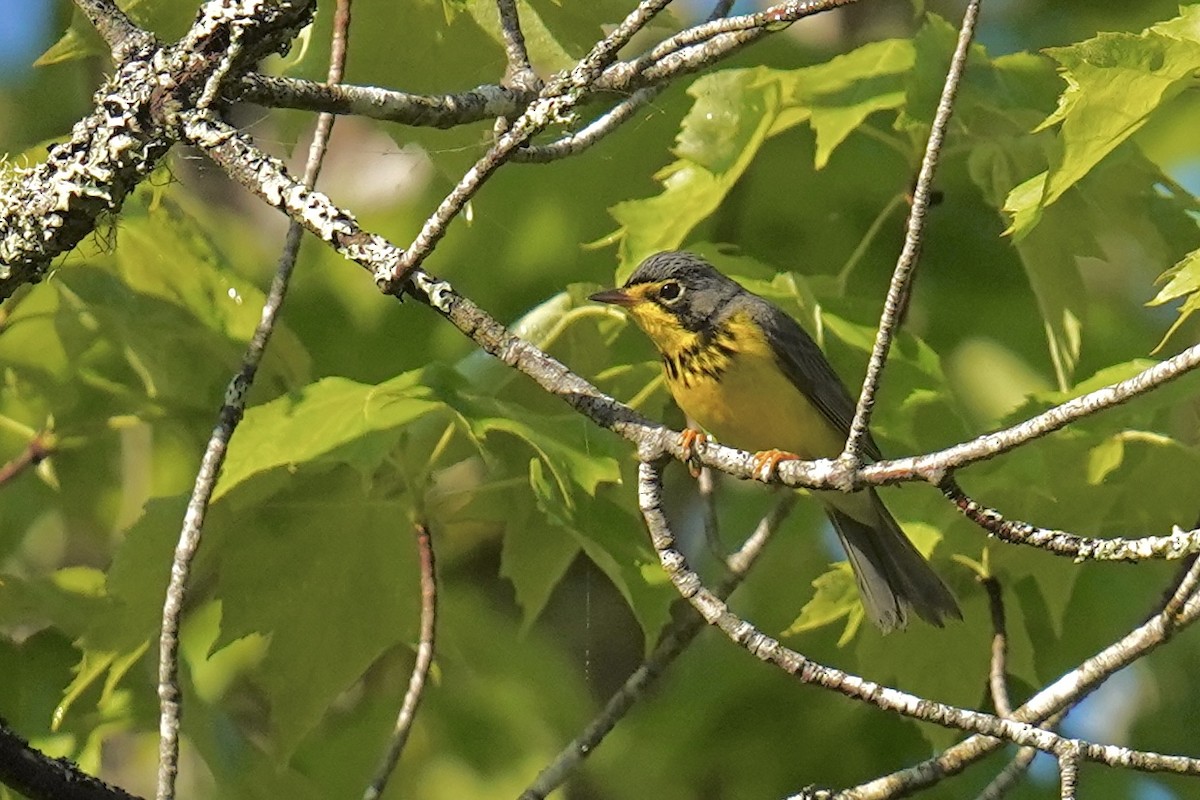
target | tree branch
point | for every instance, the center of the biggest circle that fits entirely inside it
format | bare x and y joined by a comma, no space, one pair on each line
717,613
555,103
435,111
519,72
1178,544
673,640
932,467
47,209
420,672
898,291
683,54
1052,700
228,418
39,777
1068,771
998,672
39,448
118,31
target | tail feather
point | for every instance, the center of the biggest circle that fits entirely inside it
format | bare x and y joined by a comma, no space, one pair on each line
892,575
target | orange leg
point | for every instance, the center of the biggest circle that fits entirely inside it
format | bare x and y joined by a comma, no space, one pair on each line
767,461
688,440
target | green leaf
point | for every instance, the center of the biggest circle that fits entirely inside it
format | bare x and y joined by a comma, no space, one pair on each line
576,457
1182,280
1105,457
1049,259
1116,82
535,557
733,112
577,26
610,534
167,252
67,598
330,576
79,41
570,470
836,597
108,337
614,539
137,352
1024,205
168,19
333,421
837,97
137,579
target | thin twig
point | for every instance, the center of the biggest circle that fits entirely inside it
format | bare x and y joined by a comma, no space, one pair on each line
998,672
556,102
1185,590
214,454
575,143
893,307
717,28
1049,705
1068,770
706,487
433,111
716,612
519,71
933,467
493,100
1008,777
39,448
864,244
673,640
118,31
420,671
1178,544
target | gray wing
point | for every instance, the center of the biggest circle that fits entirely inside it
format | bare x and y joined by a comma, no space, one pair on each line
806,366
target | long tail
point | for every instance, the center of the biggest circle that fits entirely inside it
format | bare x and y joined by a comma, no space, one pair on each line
892,575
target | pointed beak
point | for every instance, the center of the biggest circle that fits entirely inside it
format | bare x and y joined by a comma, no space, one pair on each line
614,297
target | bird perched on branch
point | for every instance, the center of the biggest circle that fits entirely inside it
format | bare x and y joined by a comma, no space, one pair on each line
749,374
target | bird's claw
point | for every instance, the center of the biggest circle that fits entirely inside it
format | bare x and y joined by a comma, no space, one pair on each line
688,439
766,463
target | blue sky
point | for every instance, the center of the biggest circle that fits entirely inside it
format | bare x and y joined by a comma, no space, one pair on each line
24,34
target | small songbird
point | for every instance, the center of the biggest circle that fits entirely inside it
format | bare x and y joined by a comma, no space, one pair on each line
749,374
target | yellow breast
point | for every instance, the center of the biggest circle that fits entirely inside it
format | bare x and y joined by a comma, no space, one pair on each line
735,389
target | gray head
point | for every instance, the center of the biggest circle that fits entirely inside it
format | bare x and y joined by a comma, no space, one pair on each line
683,285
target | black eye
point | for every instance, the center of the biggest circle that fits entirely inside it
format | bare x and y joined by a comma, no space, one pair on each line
670,291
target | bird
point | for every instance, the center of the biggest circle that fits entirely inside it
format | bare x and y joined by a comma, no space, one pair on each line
748,373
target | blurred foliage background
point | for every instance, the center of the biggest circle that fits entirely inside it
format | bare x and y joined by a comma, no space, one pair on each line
370,414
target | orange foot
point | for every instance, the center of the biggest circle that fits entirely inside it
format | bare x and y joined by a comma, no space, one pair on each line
767,461
688,440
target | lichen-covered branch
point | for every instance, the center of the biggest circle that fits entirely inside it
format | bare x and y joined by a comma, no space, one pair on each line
717,613
267,177
1178,544
1180,610
45,210
123,38
435,111
687,52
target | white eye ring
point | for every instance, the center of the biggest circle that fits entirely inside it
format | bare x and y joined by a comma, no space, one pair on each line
670,291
